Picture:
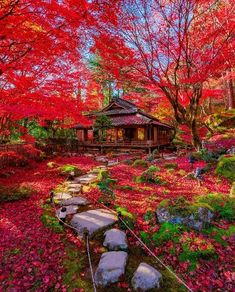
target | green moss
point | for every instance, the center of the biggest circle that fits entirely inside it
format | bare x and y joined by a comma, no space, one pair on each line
49,220
220,234
74,264
170,165
52,164
232,191
145,237
128,161
140,163
168,231
182,172
103,174
127,217
15,193
129,188
164,203
223,205
226,167
68,168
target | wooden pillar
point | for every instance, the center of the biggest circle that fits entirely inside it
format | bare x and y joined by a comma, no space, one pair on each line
85,134
115,135
155,133
145,133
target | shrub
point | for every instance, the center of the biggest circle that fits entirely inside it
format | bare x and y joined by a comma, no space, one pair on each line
15,193
226,167
31,152
170,165
11,158
149,176
68,168
140,163
224,205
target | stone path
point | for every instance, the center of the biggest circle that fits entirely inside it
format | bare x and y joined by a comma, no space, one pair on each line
93,221
112,263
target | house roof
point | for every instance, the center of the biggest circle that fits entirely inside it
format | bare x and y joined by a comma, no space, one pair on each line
126,113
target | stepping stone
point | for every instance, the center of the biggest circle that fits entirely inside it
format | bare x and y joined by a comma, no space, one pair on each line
111,267
62,196
74,190
93,220
112,163
79,201
145,278
71,209
101,158
74,185
115,239
86,179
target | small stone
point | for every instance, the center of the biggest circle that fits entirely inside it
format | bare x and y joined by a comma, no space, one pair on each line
74,190
62,196
75,201
93,220
115,239
146,278
111,267
71,209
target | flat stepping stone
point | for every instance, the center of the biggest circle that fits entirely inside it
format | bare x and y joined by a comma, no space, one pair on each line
71,209
145,278
111,267
74,185
87,178
101,159
93,220
115,239
79,201
62,196
74,190
112,163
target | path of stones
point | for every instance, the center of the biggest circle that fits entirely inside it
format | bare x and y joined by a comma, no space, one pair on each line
112,264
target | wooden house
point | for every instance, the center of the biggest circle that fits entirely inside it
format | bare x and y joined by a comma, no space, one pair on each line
130,128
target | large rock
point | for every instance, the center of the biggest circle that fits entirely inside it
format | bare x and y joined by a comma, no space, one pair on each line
111,267
93,220
163,215
197,220
146,278
72,209
79,201
115,239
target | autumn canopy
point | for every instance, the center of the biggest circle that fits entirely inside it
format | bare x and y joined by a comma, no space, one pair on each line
61,58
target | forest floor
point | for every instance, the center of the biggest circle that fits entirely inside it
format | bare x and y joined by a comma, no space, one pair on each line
40,255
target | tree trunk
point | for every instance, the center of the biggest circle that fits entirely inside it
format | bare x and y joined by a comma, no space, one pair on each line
195,136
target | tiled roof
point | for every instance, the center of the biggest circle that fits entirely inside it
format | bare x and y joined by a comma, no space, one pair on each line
130,120
117,112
